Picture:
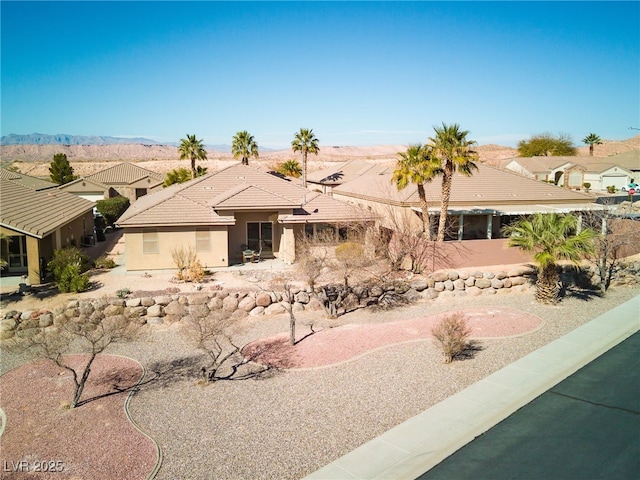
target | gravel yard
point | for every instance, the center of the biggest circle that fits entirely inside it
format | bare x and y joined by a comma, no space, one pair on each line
293,422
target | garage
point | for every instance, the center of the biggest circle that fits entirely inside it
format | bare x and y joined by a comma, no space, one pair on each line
619,181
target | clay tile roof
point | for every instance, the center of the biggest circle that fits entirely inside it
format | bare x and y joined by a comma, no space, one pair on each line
26,180
487,185
38,212
347,171
124,174
238,187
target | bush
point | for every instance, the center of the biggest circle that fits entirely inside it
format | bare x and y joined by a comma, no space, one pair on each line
112,208
587,186
71,280
452,335
68,256
104,261
612,189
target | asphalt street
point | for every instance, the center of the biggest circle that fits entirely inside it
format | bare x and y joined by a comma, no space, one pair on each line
587,427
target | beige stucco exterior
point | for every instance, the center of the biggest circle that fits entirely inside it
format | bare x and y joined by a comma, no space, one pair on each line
170,239
40,250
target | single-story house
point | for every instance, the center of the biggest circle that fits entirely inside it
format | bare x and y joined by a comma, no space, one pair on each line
480,205
124,179
39,219
221,214
572,172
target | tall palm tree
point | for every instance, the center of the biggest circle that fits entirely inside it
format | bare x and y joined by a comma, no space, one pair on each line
193,149
305,142
551,237
591,140
416,166
244,146
454,152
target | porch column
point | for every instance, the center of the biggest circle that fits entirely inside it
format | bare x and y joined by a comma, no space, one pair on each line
489,226
33,260
579,223
460,226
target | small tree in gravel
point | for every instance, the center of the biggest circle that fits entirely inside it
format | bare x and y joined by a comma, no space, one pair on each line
452,336
214,334
70,335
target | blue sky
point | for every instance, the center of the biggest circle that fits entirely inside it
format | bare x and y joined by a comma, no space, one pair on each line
361,73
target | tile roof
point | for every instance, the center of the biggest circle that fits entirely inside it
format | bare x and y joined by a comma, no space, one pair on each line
629,160
38,212
487,186
238,187
347,171
124,174
26,180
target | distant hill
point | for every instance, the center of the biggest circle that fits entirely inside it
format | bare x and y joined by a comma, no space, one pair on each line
64,139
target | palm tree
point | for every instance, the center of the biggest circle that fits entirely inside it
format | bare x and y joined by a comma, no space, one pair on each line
191,148
551,237
244,145
416,166
591,140
454,152
305,142
290,168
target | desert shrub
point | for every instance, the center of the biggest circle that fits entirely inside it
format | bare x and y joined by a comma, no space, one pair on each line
112,208
68,256
587,186
189,267
611,189
452,336
104,261
72,280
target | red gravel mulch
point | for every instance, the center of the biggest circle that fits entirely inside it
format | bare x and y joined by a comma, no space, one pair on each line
340,344
44,439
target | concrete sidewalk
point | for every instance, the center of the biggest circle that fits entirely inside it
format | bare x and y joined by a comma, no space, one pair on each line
415,446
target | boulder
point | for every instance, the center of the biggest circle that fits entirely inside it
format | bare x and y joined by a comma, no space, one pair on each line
247,304
155,311
263,299
230,303
274,309
483,283
257,311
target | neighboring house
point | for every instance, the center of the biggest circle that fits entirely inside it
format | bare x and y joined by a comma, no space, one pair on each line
39,219
572,172
223,213
480,205
327,179
124,179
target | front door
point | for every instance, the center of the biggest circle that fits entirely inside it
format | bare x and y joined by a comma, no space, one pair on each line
260,236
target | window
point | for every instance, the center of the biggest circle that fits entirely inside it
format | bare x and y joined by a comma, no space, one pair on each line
260,237
150,243
203,241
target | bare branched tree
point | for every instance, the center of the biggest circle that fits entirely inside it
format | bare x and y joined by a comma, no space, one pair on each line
90,337
214,334
617,238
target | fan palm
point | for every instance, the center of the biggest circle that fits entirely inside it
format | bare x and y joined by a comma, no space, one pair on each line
591,140
305,142
550,238
290,168
454,152
416,166
244,146
191,148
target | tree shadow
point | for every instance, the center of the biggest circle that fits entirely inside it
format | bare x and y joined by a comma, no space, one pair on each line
469,353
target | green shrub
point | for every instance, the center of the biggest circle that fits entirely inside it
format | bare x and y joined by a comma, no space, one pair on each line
68,256
612,189
586,185
104,261
112,208
71,280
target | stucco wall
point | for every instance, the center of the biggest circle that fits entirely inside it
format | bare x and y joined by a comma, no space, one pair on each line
170,239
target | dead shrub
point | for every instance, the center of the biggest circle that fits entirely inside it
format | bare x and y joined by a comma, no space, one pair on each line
452,336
